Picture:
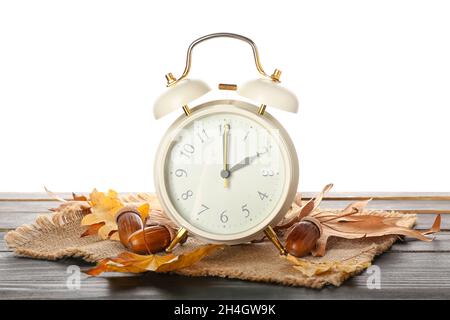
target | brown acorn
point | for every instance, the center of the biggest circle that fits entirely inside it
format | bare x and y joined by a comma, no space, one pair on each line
151,239
302,238
128,221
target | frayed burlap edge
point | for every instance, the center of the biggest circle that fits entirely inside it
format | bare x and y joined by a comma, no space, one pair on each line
55,223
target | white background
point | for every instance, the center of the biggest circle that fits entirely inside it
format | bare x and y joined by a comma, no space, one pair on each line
78,79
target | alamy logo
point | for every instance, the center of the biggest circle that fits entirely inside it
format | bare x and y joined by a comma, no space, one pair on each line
374,279
74,279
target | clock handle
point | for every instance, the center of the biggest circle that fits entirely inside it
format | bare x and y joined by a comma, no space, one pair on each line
171,80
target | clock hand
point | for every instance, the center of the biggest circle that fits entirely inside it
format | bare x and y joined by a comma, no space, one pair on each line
243,163
225,173
246,161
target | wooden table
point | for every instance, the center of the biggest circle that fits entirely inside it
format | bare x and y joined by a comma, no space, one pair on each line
411,269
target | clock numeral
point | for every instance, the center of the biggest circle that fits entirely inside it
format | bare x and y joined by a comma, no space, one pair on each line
180,173
188,150
223,217
203,136
262,196
246,135
245,211
267,173
203,209
187,195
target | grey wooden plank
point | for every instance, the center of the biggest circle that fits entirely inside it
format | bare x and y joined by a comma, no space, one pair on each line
27,206
14,213
441,243
31,195
41,196
13,220
403,276
3,247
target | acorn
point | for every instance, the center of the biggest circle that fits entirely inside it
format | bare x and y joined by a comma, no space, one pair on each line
303,237
128,221
151,239
139,237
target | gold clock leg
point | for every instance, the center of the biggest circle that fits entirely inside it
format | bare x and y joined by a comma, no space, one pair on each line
187,110
262,109
270,233
180,235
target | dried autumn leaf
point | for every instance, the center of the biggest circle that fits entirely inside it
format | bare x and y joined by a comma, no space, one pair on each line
92,229
188,259
79,200
135,263
351,224
305,210
114,235
83,201
129,262
103,209
312,268
144,210
351,209
362,226
79,197
356,207
54,196
319,198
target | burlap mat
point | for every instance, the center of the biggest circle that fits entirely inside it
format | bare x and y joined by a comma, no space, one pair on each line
57,235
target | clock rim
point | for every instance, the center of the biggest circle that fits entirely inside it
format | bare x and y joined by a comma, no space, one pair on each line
268,121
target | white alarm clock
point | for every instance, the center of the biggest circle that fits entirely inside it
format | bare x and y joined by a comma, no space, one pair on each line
226,171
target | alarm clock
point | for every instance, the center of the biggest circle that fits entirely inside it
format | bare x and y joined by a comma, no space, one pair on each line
226,171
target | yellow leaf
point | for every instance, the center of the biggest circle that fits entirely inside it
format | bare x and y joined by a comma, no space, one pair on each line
107,229
93,229
114,236
103,209
143,210
188,259
135,263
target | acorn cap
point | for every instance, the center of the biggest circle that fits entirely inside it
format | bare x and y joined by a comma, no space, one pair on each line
126,209
315,222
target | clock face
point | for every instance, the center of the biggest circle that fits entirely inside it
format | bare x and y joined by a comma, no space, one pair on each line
225,173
